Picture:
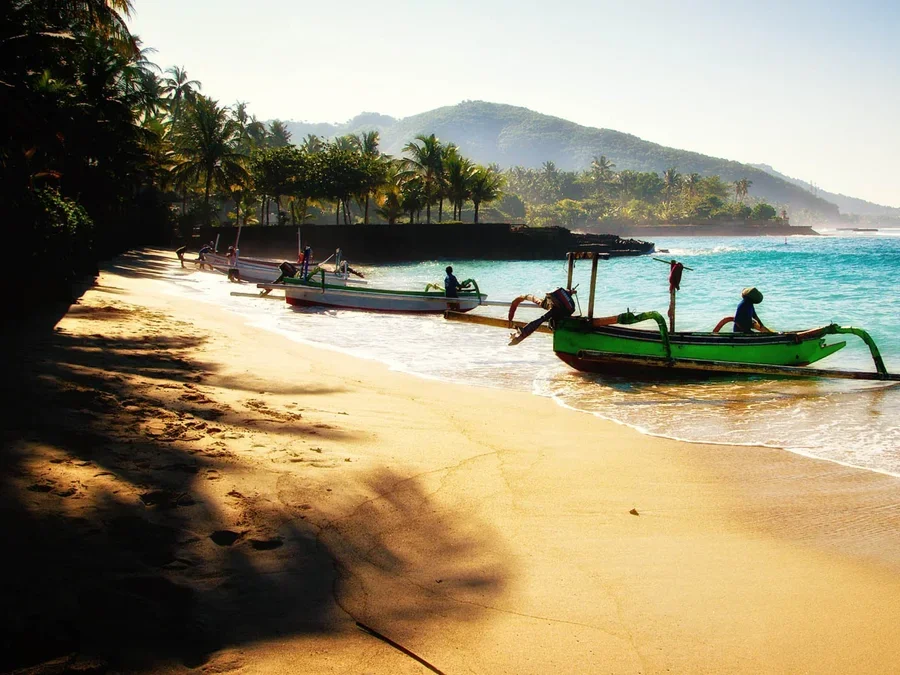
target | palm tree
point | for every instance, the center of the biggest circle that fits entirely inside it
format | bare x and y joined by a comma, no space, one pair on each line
425,160
375,172
257,132
206,145
671,182
413,196
347,143
312,144
602,169
179,90
742,189
242,121
691,182
485,186
458,175
279,136
366,143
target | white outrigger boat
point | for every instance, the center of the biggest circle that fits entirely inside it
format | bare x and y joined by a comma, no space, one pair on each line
253,270
318,290
259,270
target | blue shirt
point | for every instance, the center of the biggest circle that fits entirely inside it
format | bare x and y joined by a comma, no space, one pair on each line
451,286
743,316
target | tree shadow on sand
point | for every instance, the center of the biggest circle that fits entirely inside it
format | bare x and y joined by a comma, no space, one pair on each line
117,551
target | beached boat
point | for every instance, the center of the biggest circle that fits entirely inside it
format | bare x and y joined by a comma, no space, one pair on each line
253,270
609,345
256,270
319,290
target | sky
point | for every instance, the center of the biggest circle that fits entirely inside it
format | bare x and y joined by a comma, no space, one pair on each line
811,88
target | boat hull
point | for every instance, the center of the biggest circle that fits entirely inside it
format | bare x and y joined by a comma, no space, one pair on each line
628,351
376,299
256,271
251,270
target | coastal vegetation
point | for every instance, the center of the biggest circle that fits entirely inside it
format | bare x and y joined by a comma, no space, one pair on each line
101,146
509,136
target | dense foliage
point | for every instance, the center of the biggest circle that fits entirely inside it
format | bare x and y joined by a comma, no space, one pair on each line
77,97
600,195
100,150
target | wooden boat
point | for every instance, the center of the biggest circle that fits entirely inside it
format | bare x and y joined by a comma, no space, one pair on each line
609,345
600,346
257,270
253,270
319,290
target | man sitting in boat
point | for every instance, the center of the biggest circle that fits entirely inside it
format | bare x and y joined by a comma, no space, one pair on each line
745,317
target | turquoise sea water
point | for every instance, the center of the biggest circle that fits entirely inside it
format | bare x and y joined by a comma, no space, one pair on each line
807,282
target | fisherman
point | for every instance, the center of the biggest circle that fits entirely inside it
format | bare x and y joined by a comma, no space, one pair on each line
206,248
307,258
745,317
451,284
451,288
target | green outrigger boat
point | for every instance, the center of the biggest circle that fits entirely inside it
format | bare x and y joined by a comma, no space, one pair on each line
609,345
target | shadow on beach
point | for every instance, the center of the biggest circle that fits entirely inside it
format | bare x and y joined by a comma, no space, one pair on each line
118,556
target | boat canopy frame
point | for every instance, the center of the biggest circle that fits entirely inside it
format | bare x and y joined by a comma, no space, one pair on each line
629,318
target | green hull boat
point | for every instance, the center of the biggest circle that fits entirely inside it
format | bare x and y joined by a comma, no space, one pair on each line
616,349
610,345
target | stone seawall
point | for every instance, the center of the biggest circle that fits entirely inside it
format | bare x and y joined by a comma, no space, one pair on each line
707,230
407,243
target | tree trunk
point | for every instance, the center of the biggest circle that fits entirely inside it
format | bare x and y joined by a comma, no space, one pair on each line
206,198
237,212
477,204
428,212
337,213
441,210
366,217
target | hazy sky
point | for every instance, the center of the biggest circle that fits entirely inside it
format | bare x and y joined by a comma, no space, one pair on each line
812,88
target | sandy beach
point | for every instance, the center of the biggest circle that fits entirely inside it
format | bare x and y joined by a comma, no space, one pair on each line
182,491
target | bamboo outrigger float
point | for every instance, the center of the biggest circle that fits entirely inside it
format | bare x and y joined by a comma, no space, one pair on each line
609,345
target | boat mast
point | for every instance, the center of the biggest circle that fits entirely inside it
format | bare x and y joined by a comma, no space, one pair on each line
594,261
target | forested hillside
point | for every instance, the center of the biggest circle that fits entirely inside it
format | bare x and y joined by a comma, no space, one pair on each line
513,136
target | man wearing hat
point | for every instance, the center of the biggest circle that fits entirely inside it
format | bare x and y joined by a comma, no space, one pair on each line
745,314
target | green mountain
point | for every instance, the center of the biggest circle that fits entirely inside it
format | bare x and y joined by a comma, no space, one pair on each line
513,136
846,204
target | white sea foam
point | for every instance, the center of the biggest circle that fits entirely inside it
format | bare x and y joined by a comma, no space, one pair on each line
845,422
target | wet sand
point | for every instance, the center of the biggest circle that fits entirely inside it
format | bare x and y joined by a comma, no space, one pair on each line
181,491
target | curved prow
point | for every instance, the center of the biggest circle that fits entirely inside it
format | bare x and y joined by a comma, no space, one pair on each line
560,304
865,337
471,282
724,322
514,305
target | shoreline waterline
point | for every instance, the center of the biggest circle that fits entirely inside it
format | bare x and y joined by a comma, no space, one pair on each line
845,423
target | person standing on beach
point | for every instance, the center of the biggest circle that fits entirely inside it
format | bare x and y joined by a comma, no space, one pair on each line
745,317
